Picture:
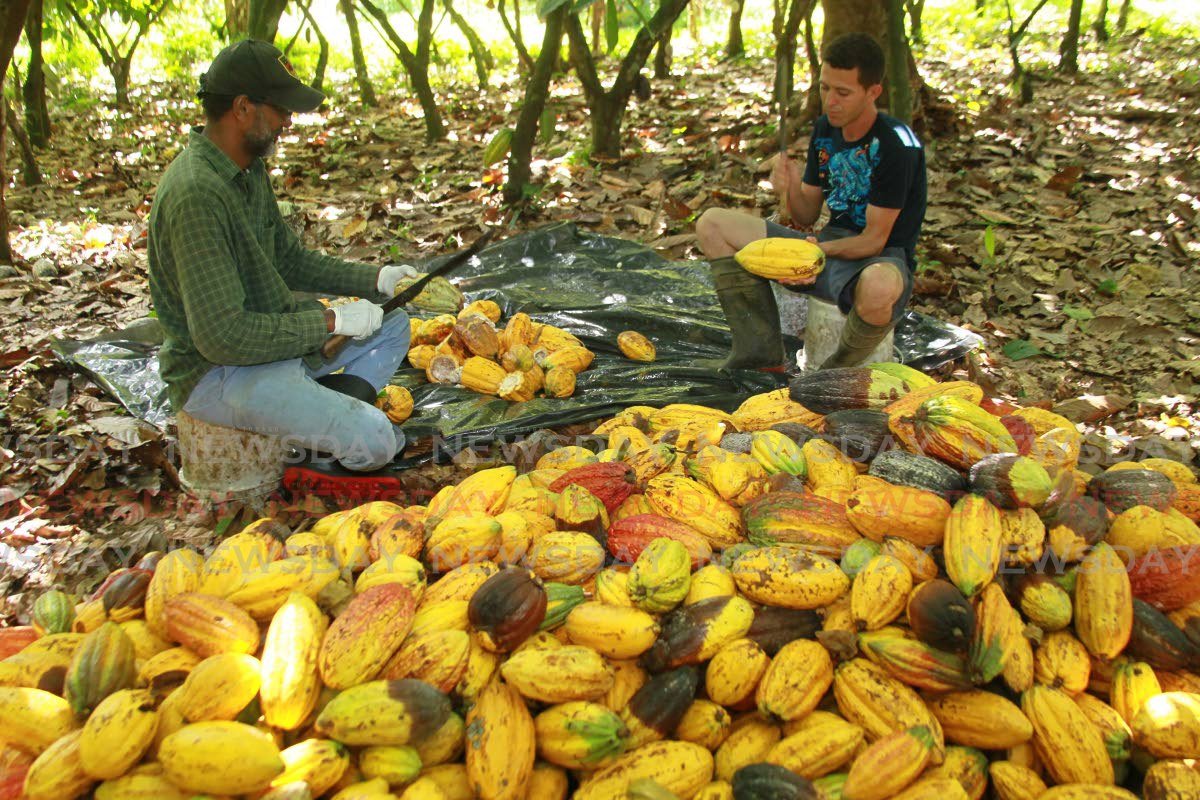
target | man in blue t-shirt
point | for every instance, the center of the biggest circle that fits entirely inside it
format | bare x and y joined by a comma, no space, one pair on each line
869,168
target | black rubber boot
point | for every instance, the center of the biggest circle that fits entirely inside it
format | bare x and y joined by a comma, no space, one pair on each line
753,318
858,340
362,390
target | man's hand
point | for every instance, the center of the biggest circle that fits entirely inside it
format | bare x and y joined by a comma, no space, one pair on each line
803,281
391,275
798,281
359,319
784,175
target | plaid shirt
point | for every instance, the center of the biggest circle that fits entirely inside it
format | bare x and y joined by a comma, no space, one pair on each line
223,264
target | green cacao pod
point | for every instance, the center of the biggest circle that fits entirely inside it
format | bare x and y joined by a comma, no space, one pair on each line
498,147
53,612
660,578
103,664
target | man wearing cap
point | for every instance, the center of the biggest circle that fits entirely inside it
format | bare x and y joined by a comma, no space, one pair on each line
240,350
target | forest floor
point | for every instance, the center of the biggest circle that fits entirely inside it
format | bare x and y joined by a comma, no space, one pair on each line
1066,232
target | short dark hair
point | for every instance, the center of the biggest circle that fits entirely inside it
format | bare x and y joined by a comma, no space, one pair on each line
857,50
216,105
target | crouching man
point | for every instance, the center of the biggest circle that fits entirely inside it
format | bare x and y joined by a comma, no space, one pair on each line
869,168
240,350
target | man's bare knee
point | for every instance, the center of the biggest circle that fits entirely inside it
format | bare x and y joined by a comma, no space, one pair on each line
879,289
722,232
710,233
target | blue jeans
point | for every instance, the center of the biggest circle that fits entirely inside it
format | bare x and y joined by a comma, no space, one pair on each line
281,398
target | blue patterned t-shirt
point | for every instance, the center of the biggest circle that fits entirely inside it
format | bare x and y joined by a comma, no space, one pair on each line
885,168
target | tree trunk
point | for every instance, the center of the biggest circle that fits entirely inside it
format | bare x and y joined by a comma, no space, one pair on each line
735,46
916,10
6,256
12,17
37,113
118,63
415,63
812,105
607,107
31,174
900,91
606,119
365,90
119,67
264,18
855,16
523,58
536,94
517,25
419,74
795,12
484,63
1068,51
871,17
662,55
1022,81
322,59
694,10
1123,16
237,19
1100,26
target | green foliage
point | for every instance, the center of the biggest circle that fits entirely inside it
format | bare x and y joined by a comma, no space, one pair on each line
924,265
1019,349
1161,19
65,53
612,25
581,155
1078,314
185,53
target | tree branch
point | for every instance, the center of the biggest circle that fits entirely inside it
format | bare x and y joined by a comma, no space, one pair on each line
425,28
1029,19
150,20
399,47
643,43
105,56
581,59
522,51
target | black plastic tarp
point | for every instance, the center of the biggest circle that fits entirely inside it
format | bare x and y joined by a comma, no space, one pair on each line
593,286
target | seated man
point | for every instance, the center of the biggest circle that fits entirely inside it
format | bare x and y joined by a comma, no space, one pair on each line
870,169
240,349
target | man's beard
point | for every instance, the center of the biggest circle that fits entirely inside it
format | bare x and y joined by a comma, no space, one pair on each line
261,141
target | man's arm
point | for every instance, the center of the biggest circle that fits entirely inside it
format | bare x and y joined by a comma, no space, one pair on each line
214,301
805,201
309,271
306,270
868,243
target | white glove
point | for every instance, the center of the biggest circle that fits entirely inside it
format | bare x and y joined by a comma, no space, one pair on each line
391,275
359,319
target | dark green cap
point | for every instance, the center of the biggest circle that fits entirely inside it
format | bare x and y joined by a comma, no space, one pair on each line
263,73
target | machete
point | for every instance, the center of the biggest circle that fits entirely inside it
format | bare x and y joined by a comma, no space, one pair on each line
335,343
785,217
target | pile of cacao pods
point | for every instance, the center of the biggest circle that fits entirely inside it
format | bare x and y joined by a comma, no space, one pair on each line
523,360
867,586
